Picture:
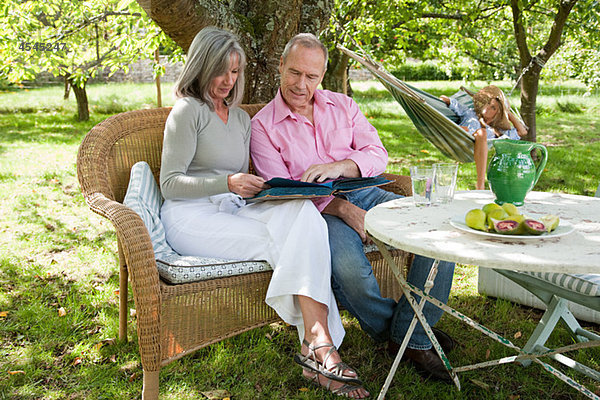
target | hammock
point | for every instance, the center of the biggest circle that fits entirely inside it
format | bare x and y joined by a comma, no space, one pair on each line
430,115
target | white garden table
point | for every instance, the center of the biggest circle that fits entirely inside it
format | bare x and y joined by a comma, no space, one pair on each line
434,232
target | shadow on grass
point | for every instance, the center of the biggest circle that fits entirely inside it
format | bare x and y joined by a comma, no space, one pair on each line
40,127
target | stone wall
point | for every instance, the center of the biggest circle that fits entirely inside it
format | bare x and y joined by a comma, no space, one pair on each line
141,71
361,74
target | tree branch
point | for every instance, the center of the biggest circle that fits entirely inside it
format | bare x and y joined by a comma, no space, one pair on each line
520,34
456,16
553,42
91,21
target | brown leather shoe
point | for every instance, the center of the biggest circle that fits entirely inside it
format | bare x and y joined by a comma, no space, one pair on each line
447,343
428,364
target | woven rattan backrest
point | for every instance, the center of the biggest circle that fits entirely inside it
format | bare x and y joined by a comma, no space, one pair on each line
141,140
112,147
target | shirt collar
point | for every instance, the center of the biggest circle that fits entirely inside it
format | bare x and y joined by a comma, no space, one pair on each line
282,110
322,99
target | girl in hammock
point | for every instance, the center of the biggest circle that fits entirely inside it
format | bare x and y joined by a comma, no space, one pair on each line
490,119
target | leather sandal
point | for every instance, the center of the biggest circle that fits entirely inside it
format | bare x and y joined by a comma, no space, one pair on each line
311,363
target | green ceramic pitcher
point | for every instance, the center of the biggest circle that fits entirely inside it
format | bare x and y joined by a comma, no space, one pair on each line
512,172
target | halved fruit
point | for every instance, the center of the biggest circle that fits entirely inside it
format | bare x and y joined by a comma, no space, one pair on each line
551,222
533,227
506,226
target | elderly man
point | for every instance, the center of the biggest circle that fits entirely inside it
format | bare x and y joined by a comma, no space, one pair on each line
309,134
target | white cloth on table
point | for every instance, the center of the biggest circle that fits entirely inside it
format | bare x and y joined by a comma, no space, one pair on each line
290,234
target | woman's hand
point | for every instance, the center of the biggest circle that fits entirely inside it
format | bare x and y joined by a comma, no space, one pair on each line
246,185
445,99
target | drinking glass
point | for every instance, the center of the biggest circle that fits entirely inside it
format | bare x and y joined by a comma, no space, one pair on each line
445,182
422,184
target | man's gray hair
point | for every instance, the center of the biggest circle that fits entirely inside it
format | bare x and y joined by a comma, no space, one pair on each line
307,40
209,57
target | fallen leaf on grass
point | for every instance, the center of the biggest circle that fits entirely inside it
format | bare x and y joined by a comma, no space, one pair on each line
303,389
132,377
487,354
62,312
481,384
518,335
15,372
219,394
107,342
514,397
425,151
3,314
76,361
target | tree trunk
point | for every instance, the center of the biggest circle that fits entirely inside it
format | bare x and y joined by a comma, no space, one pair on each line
529,90
67,88
83,111
157,79
263,26
532,66
336,79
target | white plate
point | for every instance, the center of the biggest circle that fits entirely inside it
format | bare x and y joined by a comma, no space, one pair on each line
564,228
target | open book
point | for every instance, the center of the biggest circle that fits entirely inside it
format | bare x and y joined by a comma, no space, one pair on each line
284,189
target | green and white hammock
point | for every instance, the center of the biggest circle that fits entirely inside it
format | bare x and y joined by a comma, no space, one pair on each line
430,115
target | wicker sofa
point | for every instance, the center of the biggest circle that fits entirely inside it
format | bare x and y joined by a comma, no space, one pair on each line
175,320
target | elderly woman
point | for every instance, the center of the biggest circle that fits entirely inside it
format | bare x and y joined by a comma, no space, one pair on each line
204,178
491,118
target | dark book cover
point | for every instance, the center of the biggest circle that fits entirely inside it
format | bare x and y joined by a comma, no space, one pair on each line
284,189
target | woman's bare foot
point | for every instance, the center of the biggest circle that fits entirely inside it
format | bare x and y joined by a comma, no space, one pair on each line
339,388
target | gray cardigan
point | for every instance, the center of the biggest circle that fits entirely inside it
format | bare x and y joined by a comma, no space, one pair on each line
200,150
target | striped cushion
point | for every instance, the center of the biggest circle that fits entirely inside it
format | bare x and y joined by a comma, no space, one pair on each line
586,284
143,196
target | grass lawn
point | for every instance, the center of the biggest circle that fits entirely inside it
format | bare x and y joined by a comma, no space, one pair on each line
59,274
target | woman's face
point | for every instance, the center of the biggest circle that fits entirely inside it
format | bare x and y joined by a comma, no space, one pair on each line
222,84
490,111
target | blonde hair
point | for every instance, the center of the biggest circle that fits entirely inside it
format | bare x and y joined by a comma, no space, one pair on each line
208,57
484,97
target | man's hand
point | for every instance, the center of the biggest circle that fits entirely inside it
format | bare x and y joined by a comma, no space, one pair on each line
333,170
352,215
246,185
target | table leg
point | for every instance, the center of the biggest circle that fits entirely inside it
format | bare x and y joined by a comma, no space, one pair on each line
419,316
407,288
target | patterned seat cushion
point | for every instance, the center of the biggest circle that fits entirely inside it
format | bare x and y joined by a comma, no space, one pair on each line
586,284
184,269
143,196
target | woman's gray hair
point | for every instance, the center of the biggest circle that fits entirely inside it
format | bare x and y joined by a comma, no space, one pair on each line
307,40
209,57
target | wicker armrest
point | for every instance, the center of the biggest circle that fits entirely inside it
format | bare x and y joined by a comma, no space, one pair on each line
141,263
401,184
134,238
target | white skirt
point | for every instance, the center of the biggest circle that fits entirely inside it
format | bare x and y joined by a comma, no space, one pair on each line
290,235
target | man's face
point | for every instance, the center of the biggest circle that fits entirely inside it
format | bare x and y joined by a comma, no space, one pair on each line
301,74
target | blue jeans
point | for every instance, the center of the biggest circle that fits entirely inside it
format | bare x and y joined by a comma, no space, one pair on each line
356,288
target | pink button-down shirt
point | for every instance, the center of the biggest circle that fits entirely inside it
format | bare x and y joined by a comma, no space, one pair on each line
284,144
